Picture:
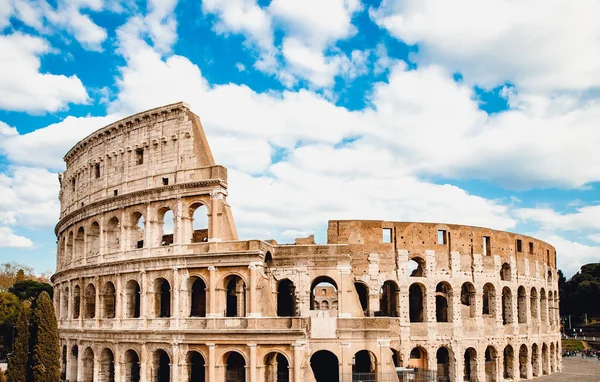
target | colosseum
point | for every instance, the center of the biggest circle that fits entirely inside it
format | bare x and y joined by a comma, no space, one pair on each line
153,284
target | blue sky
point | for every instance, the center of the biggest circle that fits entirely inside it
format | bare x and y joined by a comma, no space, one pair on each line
470,112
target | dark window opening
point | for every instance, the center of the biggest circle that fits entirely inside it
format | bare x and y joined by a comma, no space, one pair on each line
97,170
363,297
235,369
116,192
73,184
286,299
139,156
388,302
165,181
198,298
519,245
325,366
530,248
416,302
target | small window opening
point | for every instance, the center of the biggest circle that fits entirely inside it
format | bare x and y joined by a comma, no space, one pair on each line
139,156
73,184
530,248
487,246
165,181
519,245
442,238
116,192
97,169
387,235
548,256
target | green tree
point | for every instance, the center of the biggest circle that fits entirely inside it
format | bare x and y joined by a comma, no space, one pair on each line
46,349
9,309
30,289
19,360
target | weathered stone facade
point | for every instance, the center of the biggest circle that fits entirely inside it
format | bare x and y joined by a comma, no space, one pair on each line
152,283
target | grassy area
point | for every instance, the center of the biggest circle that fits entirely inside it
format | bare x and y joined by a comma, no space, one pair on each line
571,345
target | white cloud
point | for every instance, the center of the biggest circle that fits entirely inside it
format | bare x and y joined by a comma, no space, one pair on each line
570,255
240,67
8,239
24,87
539,45
595,237
584,219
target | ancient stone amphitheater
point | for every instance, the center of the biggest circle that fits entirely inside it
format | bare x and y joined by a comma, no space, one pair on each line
153,284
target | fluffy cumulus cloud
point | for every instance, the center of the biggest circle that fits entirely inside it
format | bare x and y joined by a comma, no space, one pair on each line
24,87
583,219
541,45
9,239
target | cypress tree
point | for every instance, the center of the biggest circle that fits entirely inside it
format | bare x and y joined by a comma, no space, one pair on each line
18,362
46,351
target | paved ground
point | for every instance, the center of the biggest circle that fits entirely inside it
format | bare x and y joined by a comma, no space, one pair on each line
576,369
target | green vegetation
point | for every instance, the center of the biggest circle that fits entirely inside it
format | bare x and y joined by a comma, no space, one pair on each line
30,289
581,293
46,349
17,363
572,345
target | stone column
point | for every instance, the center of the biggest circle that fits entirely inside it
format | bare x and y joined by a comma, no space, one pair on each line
298,349
144,298
211,362
175,362
118,368
80,351
252,365
96,373
70,302
144,363
176,284
149,228
253,295
119,300
214,228
97,304
102,249
178,230
212,293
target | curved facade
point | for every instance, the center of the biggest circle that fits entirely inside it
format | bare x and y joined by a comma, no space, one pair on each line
152,283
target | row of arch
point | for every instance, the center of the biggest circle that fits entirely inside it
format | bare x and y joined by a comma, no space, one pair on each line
90,303
116,235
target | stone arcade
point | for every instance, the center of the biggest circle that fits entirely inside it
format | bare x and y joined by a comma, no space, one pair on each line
152,283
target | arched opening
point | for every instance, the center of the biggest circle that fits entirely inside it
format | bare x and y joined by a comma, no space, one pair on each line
507,316
136,231
388,303
76,301
443,302
93,239
550,307
416,267
489,300
509,362
236,297
196,367
522,305
90,301
325,366
161,366
545,359
543,306
445,364
505,272
396,358
334,305
162,298
418,358
416,302
552,358
556,311
533,304
323,289
549,276
363,297
63,363
470,365
112,235
132,299
523,361
107,366
268,259
276,368
109,299
364,366
69,250
74,354
166,226
132,366
199,215
467,300
64,308
197,289
535,360
490,364
286,298
79,245
88,365
235,367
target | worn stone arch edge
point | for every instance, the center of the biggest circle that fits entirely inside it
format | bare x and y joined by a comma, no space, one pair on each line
80,213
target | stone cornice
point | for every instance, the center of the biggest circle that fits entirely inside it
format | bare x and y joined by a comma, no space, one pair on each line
129,195
151,115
